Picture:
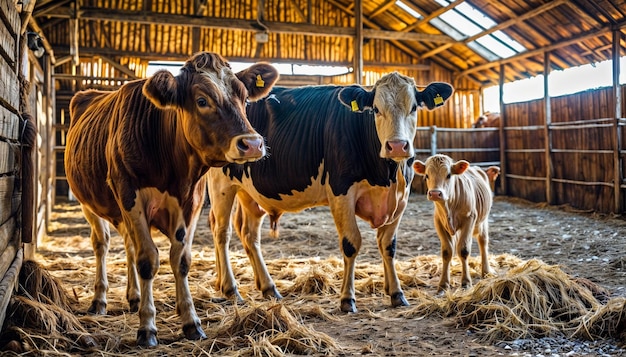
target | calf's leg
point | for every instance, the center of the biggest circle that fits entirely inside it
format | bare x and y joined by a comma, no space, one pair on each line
483,247
446,254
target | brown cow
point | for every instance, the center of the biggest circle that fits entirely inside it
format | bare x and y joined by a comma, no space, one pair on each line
462,202
487,120
137,158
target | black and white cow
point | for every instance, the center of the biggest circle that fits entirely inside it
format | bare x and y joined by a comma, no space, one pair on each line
344,147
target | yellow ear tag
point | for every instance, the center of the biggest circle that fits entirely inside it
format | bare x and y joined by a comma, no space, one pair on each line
438,100
355,106
259,81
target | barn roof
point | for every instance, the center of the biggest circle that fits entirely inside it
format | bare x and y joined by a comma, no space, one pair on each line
468,38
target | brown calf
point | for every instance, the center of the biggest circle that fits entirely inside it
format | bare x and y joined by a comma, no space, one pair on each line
462,200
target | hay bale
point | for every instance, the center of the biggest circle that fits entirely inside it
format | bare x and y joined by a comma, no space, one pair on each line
606,321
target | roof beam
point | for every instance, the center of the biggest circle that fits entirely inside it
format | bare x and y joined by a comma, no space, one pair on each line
514,21
537,51
153,18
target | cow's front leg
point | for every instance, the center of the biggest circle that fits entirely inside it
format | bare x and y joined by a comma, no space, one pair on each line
222,200
446,253
386,239
350,244
247,223
100,237
147,259
180,261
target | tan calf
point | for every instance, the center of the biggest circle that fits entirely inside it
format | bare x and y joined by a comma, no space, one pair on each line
462,199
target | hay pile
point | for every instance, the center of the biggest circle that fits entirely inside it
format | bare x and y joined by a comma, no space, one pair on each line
530,300
525,299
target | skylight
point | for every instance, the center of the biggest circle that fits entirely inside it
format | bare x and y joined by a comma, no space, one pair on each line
464,21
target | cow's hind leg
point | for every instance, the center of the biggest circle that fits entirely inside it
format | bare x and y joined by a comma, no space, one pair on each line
249,217
483,247
386,239
100,237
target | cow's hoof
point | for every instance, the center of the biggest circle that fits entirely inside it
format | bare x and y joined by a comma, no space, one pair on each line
134,305
146,338
272,292
97,308
348,305
398,299
193,331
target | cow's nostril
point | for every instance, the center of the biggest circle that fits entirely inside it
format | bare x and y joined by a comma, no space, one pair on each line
242,145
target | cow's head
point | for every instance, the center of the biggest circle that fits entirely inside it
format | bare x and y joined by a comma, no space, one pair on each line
395,100
210,100
438,171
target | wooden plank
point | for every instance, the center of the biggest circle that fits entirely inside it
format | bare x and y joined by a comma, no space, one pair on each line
7,199
9,85
8,233
9,125
8,154
7,43
10,16
7,257
8,283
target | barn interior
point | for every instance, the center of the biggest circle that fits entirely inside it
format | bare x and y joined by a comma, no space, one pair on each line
556,150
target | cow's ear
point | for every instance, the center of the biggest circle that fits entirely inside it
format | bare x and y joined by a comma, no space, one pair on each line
419,167
258,79
356,98
434,95
459,167
161,89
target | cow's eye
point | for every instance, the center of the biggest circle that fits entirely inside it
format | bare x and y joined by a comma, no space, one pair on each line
425,177
448,177
376,110
414,108
202,102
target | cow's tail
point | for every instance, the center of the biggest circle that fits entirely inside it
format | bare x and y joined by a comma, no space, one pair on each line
29,145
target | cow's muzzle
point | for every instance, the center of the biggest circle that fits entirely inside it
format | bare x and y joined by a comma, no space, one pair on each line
248,148
398,149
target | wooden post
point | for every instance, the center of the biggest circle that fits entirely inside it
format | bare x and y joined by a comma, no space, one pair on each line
433,140
617,94
358,42
546,129
503,189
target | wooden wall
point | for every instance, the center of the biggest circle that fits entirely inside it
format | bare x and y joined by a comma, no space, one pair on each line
10,153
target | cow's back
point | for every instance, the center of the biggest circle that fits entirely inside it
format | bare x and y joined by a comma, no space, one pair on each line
472,190
305,128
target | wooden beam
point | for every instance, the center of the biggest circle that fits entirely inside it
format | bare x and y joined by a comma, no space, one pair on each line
432,15
358,42
298,10
153,18
513,21
119,67
537,51
382,8
546,130
617,135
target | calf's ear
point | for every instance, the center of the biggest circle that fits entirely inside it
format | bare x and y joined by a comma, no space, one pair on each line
434,95
356,98
258,79
419,167
459,167
161,89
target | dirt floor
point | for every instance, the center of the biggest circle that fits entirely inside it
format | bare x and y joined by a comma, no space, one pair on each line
583,245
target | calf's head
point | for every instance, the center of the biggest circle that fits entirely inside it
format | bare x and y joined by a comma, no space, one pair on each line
210,101
394,101
438,171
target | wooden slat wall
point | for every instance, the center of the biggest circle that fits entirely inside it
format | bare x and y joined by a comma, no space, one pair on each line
10,153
